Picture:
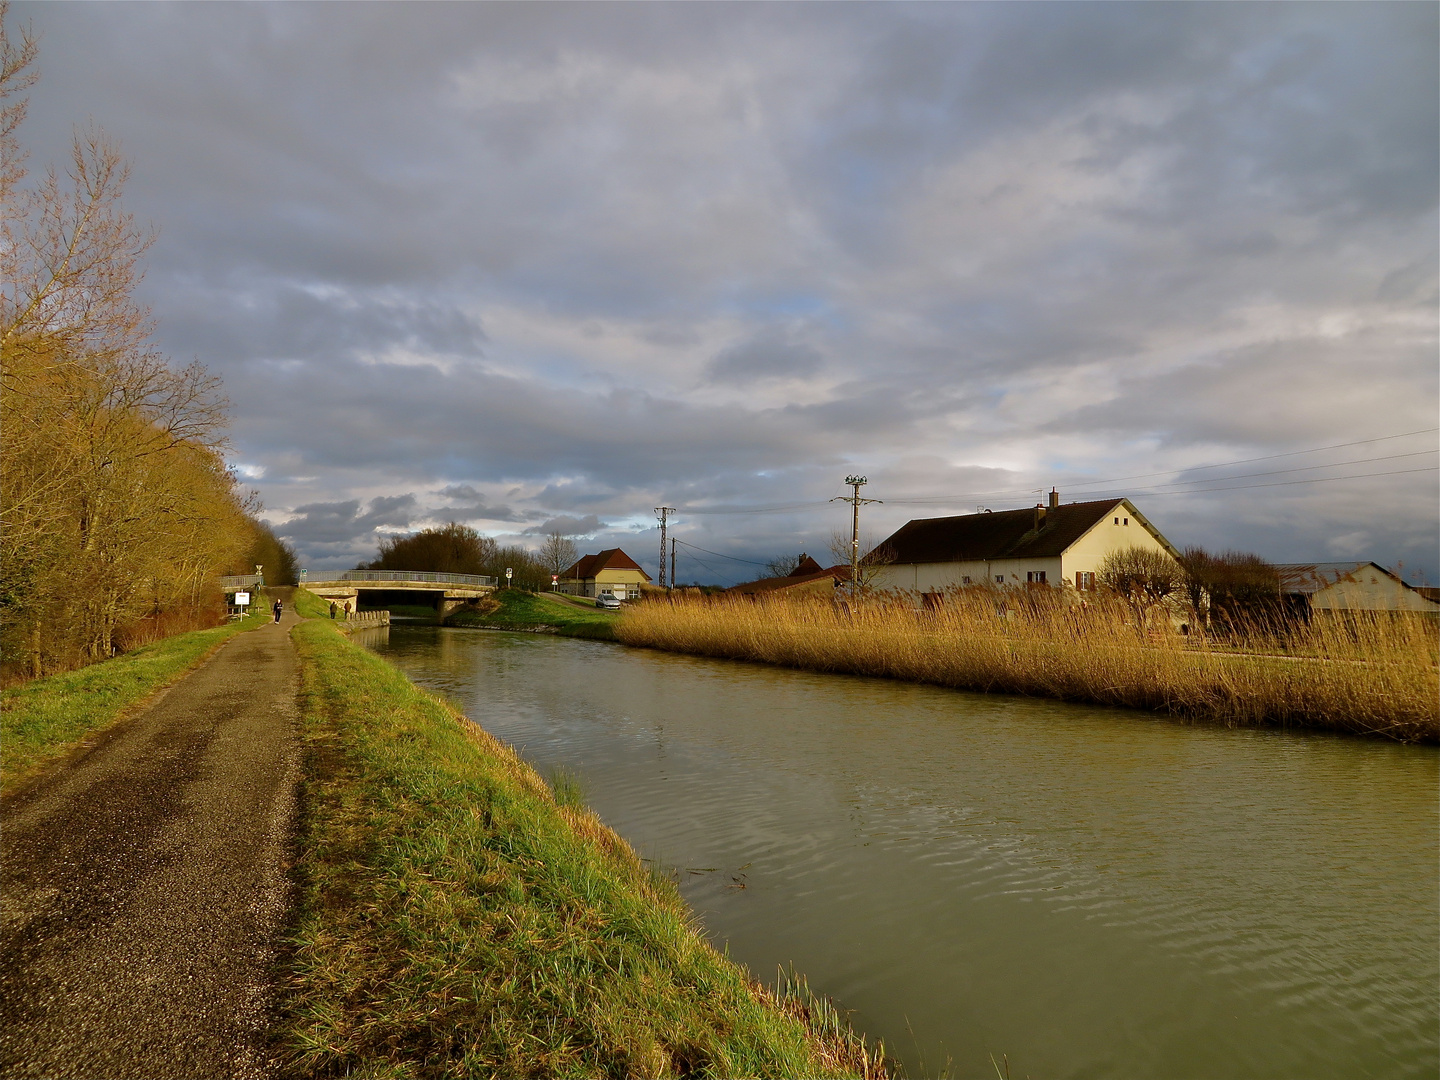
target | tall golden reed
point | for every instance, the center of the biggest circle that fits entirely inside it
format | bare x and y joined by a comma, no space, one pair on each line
1367,673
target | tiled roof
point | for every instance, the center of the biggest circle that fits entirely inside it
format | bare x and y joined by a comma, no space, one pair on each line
609,559
795,580
1003,534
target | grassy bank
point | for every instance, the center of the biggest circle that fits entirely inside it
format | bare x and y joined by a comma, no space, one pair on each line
512,609
1372,675
43,719
457,920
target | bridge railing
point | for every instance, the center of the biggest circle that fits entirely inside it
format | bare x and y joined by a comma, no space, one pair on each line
234,582
321,577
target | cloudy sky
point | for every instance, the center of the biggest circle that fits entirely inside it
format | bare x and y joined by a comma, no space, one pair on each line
529,266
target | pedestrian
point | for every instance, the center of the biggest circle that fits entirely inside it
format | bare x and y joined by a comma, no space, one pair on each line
333,609
279,607
347,610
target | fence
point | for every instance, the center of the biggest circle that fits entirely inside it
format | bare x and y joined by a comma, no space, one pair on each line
322,577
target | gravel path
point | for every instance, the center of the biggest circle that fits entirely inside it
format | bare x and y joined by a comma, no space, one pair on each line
144,887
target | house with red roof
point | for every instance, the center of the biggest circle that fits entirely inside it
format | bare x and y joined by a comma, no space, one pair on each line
807,577
606,573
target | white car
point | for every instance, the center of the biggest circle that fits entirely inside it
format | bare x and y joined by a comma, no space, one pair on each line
605,600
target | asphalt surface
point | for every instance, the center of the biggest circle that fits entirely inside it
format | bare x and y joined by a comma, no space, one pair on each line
144,887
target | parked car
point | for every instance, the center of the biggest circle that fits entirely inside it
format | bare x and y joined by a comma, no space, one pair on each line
607,601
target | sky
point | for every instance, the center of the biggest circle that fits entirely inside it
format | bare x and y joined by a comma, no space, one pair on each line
536,267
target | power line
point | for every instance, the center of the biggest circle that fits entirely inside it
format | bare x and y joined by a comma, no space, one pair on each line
1271,457
802,507
1189,484
1276,483
793,508
1198,468
720,554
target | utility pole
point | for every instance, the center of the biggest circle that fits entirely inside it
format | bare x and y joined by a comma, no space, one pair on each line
672,562
855,500
663,511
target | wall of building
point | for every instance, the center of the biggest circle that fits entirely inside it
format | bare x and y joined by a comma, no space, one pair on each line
937,577
1371,591
1087,553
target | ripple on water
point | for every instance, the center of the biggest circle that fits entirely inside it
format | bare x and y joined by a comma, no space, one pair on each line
1092,892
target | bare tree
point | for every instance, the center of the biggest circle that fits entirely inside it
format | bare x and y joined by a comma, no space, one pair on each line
558,553
871,564
1142,577
782,566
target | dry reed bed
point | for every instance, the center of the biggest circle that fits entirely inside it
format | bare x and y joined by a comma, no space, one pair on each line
1369,674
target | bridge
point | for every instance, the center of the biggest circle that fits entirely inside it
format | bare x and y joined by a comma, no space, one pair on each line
444,592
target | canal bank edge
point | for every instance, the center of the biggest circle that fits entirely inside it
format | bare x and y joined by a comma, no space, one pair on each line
454,919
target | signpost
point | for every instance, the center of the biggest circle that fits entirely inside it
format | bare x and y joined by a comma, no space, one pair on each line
509,573
242,599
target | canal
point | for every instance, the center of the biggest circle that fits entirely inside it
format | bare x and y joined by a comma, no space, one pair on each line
1075,891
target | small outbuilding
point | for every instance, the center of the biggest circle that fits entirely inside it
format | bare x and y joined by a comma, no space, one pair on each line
1349,586
606,573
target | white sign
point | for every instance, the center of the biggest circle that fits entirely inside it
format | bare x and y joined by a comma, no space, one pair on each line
242,599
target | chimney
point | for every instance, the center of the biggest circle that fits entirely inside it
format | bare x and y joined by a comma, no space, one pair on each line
1039,517
1054,499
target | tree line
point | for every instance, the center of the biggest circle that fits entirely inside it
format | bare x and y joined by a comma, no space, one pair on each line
117,511
459,549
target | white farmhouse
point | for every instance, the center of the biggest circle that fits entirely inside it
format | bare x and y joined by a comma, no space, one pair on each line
1050,545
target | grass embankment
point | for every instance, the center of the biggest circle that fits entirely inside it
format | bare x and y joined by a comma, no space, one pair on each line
41,720
512,609
457,920
1374,675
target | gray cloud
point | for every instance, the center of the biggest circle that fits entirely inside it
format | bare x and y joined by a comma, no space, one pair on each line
558,261
331,523
567,525
467,504
770,354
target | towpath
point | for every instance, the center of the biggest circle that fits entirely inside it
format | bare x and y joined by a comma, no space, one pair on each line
144,887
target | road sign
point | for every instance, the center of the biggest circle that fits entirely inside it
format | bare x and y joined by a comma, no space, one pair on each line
242,599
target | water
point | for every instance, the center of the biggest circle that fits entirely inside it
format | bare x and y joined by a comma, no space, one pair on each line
1087,892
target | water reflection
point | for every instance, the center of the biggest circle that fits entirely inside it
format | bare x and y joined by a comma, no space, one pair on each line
1090,892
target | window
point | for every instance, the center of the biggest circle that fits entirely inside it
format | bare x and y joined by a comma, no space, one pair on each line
1085,581
1127,521
999,579
965,580
1117,521
1035,577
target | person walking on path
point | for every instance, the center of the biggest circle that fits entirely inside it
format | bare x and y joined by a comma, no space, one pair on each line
144,886
332,609
279,610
